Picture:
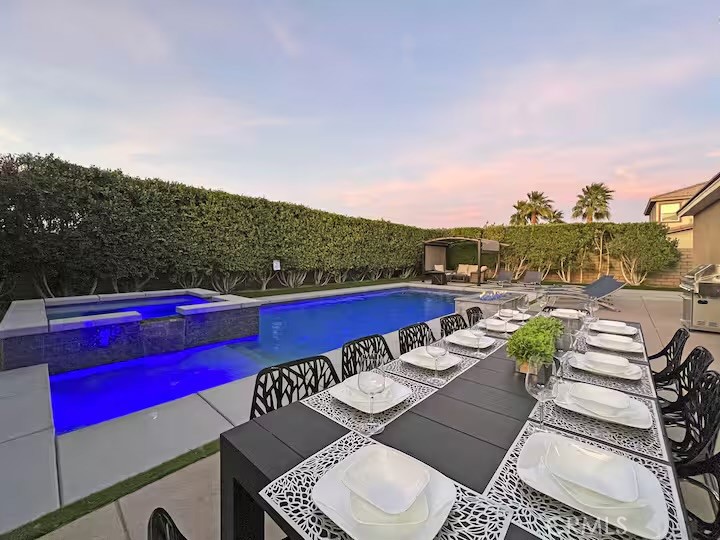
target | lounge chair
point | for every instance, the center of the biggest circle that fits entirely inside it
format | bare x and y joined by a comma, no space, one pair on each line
504,277
573,296
531,278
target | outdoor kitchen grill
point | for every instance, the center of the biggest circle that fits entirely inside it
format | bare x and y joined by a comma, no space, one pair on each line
701,298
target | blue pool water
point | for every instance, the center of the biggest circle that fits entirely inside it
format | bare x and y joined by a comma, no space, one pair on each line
149,308
287,332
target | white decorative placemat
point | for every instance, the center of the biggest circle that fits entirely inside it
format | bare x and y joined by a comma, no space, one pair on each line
409,371
643,387
647,442
356,420
473,517
549,519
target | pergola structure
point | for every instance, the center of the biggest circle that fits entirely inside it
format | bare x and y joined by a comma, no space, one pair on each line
435,253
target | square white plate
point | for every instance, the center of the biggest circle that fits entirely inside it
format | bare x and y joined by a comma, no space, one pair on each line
633,373
604,473
348,392
607,362
333,498
420,358
497,326
603,401
465,338
514,314
614,342
565,313
386,478
613,327
637,415
650,521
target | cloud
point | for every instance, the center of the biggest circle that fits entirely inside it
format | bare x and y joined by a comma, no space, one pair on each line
283,36
713,154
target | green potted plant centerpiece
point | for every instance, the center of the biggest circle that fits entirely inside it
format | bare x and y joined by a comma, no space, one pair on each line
533,345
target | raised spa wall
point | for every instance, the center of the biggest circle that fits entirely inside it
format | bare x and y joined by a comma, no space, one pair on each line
27,337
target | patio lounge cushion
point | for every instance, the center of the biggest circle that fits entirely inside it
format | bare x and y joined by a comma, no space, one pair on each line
439,268
472,268
463,269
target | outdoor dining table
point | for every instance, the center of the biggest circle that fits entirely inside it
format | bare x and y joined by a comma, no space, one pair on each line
469,430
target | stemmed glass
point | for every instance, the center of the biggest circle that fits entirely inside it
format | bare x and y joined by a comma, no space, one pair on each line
542,301
371,382
505,315
541,385
523,305
436,351
479,332
591,306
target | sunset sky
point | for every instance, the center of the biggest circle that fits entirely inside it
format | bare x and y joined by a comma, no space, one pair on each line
430,113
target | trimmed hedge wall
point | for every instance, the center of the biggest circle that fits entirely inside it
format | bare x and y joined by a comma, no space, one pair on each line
74,228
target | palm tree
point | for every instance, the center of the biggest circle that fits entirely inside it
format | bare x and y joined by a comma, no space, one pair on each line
520,217
593,203
558,216
538,206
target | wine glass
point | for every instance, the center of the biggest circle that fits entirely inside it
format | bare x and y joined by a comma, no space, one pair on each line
591,306
479,332
436,351
371,382
541,385
523,305
505,315
542,301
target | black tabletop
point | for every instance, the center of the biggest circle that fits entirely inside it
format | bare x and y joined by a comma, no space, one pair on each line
463,430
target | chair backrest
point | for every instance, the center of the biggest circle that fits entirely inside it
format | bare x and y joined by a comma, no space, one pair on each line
672,353
689,372
504,276
439,267
532,277
414,336
355,352
451,323
462,269
162,527
474,314
701,419
472,268
280,385
701,529
603,287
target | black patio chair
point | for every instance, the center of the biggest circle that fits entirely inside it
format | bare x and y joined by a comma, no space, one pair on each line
700,419
357,351
414,336
504,276
571,295
683,380
709,471
474,314
280,385
672,354
451,323
162,527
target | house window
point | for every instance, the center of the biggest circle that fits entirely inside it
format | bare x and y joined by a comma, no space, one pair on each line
668,212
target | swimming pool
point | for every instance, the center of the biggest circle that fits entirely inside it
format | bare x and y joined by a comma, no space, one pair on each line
149,308
287,331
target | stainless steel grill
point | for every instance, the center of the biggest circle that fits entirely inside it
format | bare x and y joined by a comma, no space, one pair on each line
701,298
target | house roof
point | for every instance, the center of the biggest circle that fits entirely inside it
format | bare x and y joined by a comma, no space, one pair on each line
709,194
678,194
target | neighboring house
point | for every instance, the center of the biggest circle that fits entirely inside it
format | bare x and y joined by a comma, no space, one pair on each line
664,208
704,209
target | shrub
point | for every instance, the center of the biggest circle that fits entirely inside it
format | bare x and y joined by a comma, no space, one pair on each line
534,343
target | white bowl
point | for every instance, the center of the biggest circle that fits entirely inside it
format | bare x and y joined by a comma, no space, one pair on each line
603,401
387,479
607,362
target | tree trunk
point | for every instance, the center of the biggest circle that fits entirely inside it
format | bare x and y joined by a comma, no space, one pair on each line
533,218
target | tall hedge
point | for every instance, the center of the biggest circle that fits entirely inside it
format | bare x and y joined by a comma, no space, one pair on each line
71,227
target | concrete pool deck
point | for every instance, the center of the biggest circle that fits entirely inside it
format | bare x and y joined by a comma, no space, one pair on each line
93,458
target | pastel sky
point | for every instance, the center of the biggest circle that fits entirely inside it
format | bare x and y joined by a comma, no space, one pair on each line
425,112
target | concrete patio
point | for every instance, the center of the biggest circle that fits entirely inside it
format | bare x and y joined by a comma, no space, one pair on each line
191,495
